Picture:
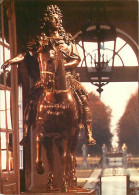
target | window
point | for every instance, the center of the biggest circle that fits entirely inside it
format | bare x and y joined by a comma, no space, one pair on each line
9,131
6,131
124,54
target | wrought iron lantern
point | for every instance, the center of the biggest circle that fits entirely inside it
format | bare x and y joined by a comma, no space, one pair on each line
99,60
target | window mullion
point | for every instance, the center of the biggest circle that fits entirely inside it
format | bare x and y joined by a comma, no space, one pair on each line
121,48
7,155
4,45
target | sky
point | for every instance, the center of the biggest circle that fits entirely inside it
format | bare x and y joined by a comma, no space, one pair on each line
115,95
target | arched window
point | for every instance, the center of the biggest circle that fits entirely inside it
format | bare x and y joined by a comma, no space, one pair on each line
124,54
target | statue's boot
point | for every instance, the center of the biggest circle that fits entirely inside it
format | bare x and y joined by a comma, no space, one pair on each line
90,139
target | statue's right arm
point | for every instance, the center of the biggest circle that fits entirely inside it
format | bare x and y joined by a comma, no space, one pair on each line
17,59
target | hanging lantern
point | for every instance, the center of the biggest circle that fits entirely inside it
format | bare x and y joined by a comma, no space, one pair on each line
99,60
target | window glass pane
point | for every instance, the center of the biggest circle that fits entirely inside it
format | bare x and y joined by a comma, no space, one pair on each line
8,99
109,45
1,77
7,56
9,124
2,119
3,140
128,56
10,151
8,78
119,43
117,61
6,30
0,20
90,46
1,55
3,159
21,157
8,73
1,62
8,109
2,100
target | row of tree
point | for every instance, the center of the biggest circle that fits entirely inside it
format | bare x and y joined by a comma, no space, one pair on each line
128,125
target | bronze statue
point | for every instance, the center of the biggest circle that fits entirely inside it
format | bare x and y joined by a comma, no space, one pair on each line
57,98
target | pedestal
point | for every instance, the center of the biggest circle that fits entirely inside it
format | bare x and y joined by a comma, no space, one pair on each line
59,193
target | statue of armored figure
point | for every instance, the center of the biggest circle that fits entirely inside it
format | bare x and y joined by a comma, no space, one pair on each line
53,31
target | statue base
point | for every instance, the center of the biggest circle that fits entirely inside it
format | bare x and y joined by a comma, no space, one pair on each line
58,192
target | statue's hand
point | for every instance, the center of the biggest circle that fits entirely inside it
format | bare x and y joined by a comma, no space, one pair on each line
5,65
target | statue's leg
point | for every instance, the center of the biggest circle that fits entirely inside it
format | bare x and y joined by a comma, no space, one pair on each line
80,109
39,164
73,178
30,112
87,120
48,144
64,156
27,121
62,148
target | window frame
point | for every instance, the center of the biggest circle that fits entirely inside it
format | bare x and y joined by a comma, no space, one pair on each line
5,88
